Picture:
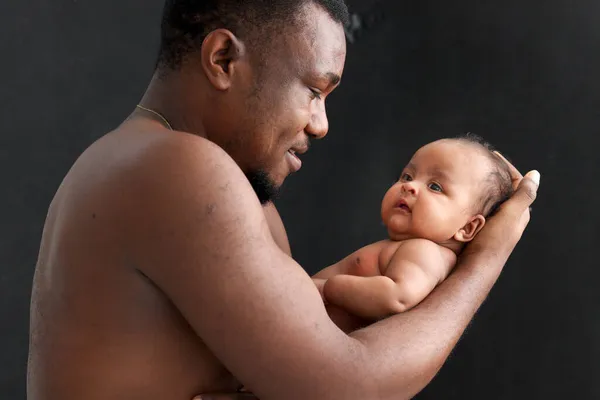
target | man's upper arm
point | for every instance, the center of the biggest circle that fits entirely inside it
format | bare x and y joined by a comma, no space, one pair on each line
202,238
277,228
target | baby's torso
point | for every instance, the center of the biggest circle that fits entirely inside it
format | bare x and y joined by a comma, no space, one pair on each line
373,260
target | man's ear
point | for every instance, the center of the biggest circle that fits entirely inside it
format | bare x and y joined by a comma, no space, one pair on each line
470,230
221,49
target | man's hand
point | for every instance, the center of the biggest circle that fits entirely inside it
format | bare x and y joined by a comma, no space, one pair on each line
508,225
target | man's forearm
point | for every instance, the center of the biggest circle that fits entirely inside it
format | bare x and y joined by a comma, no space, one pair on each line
415,344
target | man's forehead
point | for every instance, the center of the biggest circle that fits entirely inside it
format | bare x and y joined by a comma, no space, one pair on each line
319,43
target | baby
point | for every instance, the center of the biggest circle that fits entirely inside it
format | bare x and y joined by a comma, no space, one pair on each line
439,204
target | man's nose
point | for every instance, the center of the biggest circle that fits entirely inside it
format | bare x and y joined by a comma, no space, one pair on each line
318,126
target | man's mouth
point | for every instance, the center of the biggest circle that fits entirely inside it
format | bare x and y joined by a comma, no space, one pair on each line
292,156
293,153
294,161
299,149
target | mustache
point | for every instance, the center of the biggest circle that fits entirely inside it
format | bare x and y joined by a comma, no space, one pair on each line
307,143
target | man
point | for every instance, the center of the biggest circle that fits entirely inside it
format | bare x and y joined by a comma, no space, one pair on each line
164,270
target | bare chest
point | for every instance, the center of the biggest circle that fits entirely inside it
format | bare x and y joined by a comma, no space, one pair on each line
373,260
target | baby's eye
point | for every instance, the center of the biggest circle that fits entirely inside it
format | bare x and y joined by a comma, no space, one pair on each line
435,187
405,177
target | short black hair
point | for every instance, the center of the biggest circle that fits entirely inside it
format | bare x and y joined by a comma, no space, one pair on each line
186,23
498,184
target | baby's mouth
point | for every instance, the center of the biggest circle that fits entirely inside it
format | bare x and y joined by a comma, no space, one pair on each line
403,205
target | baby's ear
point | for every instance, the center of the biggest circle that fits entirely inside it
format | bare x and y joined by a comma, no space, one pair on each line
471,229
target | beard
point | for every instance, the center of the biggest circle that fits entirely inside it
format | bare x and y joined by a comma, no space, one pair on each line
264,187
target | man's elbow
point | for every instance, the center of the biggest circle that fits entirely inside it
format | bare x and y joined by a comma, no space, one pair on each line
367,381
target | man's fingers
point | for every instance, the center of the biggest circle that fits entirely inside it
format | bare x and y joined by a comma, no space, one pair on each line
527,191
515,175
514,172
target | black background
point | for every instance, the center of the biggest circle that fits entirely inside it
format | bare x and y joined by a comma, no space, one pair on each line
525,75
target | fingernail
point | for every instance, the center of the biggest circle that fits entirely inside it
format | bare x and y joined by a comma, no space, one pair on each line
534,176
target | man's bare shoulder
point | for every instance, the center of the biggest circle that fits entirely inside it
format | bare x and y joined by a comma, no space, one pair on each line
143,149
131,182
146,164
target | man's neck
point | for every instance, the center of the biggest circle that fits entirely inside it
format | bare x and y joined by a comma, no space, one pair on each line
167,94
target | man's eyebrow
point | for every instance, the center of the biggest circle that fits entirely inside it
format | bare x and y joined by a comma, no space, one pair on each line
333,78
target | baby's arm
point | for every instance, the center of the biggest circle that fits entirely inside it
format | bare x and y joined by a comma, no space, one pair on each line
341,267
362,262
416,268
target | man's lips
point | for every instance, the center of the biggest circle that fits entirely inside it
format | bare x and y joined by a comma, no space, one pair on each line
293,160
298,149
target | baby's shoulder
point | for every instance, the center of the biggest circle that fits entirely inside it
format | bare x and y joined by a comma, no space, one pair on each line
425,249
419,244
413,249
437,259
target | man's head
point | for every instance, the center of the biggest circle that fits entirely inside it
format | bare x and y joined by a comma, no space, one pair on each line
255,74
447,191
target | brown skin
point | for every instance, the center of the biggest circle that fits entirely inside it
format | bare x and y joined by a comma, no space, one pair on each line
159,277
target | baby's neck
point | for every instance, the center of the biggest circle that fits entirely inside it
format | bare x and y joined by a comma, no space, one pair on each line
451,244
454,245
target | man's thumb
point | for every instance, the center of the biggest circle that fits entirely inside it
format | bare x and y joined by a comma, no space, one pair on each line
527,190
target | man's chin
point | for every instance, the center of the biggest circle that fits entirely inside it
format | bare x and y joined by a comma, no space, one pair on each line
264,186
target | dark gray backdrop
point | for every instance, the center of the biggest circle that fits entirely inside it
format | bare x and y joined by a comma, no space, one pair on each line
524,76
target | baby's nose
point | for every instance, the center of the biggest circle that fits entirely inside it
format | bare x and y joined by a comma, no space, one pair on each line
409,187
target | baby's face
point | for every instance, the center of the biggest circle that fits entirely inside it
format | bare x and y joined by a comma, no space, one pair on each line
437,192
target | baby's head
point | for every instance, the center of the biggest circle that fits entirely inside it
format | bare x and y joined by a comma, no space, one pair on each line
446,192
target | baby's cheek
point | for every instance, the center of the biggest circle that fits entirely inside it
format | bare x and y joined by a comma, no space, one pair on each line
434,228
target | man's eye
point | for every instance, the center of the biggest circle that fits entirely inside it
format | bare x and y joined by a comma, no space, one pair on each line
315,94
435,187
